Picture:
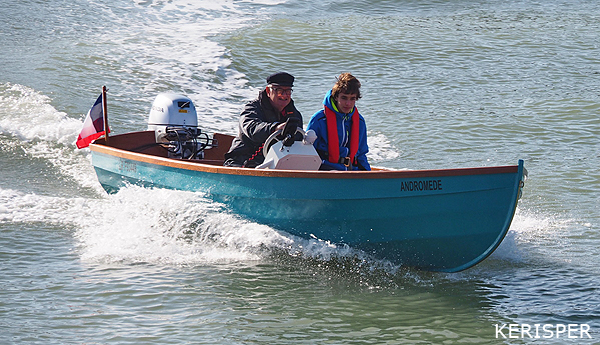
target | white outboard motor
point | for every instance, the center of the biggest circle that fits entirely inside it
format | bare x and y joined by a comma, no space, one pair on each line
169,110
174,120
301,155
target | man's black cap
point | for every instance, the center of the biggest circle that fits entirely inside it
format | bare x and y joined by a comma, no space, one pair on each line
281,79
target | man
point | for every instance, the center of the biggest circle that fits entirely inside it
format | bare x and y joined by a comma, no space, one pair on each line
341,130
261,117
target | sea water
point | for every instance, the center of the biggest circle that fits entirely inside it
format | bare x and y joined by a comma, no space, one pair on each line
445,84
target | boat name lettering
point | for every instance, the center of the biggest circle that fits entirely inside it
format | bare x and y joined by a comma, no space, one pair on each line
126,166
414,186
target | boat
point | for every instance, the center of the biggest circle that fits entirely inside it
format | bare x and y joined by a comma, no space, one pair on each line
438,220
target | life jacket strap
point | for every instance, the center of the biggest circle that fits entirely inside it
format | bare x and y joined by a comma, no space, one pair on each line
333,138
346,161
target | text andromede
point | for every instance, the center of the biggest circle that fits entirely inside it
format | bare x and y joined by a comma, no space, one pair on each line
419,186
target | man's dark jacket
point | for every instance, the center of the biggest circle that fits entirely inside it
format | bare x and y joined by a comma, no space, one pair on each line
257,121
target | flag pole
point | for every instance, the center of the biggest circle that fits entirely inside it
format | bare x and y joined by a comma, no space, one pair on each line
105,113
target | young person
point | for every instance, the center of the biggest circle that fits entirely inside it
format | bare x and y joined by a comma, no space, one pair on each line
341,130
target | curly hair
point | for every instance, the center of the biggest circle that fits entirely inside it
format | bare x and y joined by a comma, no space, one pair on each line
346,83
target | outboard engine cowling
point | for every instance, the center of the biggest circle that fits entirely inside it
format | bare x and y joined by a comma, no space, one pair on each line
174,120
171,110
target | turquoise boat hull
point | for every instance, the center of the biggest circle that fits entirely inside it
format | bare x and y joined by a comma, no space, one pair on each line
440,220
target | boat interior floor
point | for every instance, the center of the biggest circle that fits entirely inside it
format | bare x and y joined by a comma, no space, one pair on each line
145,142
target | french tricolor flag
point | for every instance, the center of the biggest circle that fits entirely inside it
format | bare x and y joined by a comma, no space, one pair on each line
93,125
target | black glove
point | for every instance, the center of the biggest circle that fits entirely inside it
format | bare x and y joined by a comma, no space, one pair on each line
289,130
